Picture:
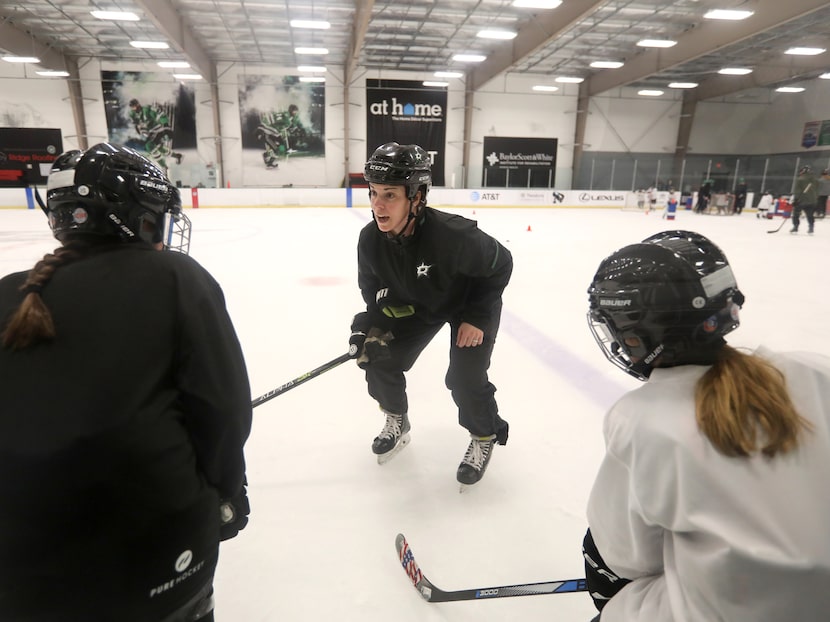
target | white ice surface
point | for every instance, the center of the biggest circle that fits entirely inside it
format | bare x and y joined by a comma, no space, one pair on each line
320,544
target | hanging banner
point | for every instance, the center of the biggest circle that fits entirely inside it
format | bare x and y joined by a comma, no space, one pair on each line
283,131
26,155
407,112
155,114
511,162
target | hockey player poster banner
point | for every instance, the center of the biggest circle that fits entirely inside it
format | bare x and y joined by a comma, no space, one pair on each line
519,162
407,112
283,131
156,115
26,155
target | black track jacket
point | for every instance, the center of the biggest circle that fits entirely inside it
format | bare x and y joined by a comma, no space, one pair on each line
448,269
117,440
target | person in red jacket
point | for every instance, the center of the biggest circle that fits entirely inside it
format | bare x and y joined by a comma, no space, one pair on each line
122,455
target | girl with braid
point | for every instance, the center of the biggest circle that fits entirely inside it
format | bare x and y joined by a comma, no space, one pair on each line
124,409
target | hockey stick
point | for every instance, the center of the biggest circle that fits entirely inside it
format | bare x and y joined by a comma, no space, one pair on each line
304,378
778,228
433,594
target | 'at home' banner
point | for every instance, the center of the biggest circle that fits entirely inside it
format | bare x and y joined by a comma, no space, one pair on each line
407,112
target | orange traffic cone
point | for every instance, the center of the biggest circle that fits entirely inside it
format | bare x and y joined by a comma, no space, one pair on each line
528,228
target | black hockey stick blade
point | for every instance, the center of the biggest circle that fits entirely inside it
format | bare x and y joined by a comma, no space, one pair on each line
783,222
301,379
433,594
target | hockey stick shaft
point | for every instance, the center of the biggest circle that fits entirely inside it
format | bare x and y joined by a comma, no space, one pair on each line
301,379
778,228
433,594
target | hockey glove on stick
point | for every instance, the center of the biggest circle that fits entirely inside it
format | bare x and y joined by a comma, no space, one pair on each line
375,347
233,514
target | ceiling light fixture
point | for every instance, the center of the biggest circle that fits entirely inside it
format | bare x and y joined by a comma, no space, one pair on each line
53,74
805,51
312,79
735,71
311,68
606,64
536,4
682,85
315,51
656,43
21,59
730,14
435,83
650,93
569,80
545,88
310,23
469,58
173,64
496,34
790,89
115,16
448,74
825,76
150,45
187,76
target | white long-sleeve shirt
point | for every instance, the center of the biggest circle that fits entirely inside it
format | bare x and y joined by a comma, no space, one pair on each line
708,538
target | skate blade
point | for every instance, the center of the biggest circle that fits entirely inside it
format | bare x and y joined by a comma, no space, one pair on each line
384,458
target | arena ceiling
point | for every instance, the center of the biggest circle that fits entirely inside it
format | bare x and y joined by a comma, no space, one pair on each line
426,35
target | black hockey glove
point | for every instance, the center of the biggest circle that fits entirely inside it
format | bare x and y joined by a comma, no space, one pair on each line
375,347
233,514
602,582
390,306
356,343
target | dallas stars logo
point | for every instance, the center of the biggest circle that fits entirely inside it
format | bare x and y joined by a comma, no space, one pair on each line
422,270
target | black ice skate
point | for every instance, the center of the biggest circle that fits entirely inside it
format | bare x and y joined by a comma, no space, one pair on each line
472,468
392,438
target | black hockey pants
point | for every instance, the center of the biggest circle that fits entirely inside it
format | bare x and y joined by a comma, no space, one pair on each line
466,376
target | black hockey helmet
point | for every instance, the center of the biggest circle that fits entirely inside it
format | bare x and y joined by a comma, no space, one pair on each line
114,191
401,165
674,293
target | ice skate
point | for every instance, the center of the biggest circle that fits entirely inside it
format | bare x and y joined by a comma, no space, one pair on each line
472,468
392,438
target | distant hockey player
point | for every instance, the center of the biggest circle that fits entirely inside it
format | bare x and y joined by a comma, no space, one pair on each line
154,127
764,205
703,195
823,193
805,198
418,270
712,500
124,408
741,191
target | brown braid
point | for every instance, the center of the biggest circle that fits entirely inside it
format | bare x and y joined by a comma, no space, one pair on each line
32,322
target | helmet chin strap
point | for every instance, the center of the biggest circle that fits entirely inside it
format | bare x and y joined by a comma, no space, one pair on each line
409,218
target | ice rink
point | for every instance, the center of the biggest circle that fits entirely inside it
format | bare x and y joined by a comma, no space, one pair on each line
320,543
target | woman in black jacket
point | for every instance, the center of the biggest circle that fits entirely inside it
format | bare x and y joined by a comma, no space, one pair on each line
124,408
419,269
